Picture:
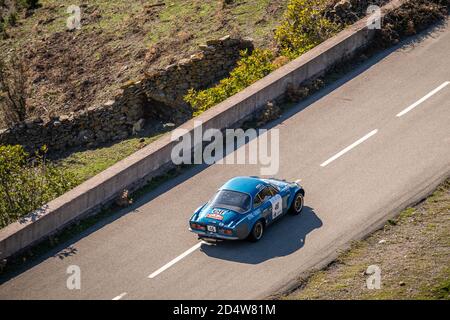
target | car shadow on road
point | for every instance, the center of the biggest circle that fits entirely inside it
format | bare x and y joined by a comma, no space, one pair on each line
283,238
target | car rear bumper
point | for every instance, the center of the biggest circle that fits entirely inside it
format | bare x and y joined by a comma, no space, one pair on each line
213,235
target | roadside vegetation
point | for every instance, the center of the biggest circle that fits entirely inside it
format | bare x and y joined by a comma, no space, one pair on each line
26,183
412,251
29,181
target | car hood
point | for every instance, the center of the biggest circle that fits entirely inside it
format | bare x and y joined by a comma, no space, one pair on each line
216,216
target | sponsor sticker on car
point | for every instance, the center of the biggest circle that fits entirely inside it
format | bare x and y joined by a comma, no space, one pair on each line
215,216
277,206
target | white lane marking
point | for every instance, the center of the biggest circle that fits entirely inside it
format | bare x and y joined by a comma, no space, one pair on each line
337,155
432,93
171,263
120,296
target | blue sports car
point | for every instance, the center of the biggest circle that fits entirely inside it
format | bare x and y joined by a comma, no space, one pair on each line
244,206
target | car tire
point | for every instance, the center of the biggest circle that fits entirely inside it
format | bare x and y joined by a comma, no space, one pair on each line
297,204
257,231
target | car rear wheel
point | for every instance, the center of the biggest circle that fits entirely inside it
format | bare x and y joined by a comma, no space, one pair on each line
257,232
297,204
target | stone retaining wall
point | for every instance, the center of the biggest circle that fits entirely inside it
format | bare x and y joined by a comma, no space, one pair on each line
165,89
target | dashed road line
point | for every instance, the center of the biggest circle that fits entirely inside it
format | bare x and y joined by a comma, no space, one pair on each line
350,147
120,296
429,95
171,263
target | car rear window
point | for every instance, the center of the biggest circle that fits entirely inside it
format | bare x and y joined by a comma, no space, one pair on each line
233,200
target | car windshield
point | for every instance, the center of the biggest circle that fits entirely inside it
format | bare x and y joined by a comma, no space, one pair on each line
233,200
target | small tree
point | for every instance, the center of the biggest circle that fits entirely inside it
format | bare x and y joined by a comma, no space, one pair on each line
12,90
304,26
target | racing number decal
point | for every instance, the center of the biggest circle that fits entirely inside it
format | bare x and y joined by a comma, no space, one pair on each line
277,205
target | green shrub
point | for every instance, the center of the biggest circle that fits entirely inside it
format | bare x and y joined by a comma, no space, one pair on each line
2,30
29,4
12,18
28,183
304,26
250,68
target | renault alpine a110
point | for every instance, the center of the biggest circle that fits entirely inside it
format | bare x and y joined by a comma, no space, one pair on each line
244,206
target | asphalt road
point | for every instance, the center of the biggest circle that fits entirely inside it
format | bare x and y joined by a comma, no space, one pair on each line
397,160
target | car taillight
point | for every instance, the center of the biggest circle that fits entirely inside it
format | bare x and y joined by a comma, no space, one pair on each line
226,231
198,226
